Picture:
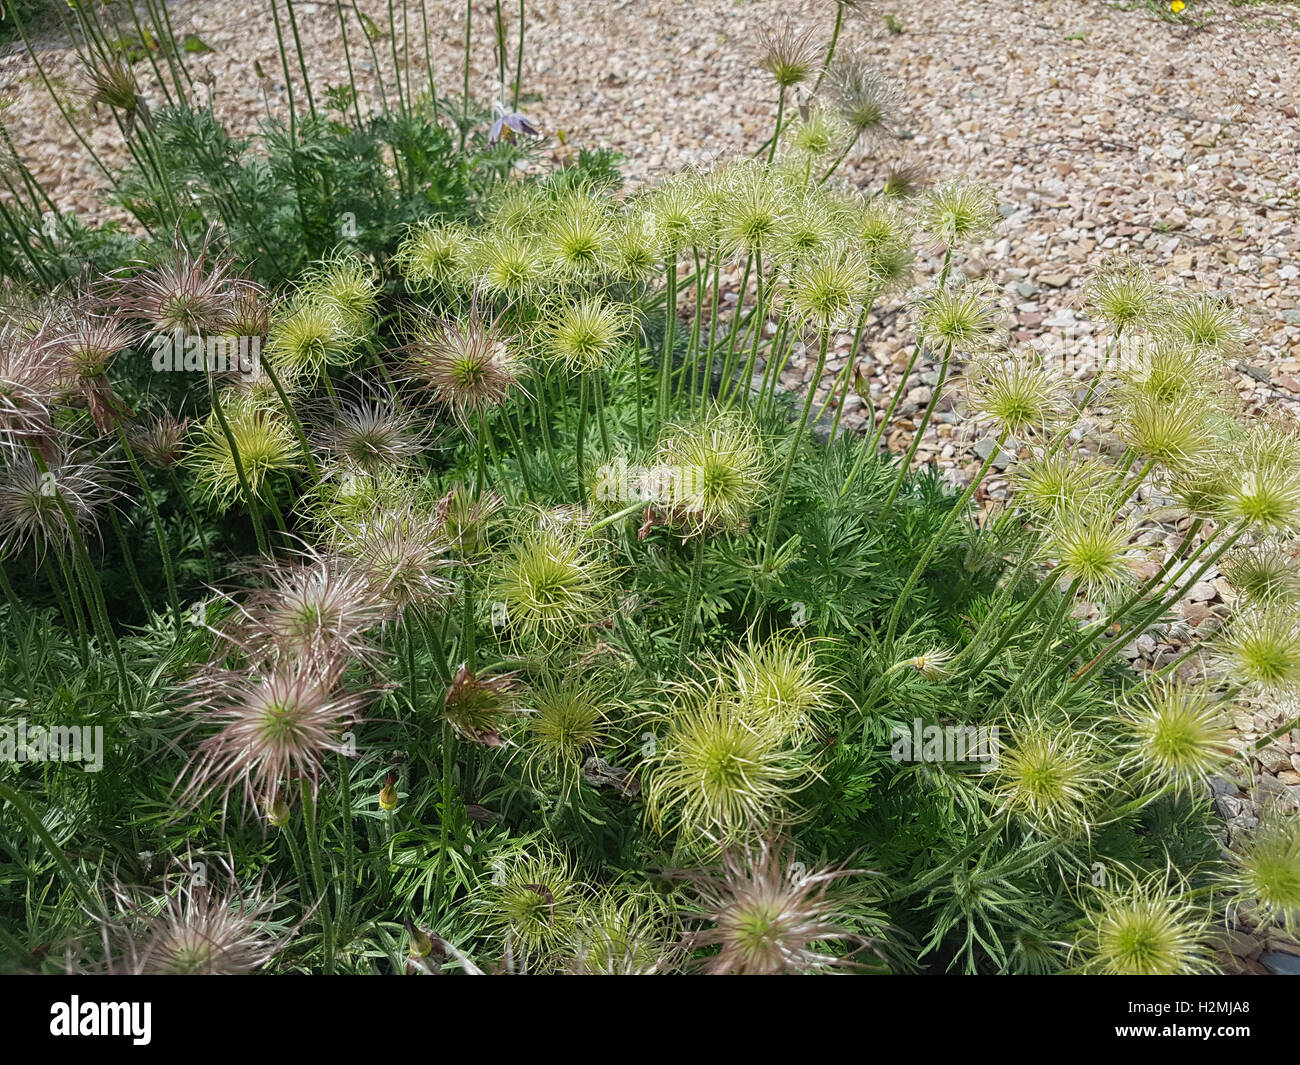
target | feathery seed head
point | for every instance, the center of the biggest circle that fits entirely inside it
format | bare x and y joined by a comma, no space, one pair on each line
275,725
963,316
45,501
867,101
1263,479
433,255
1174,434
553,581
584,334
477,707
1046,775
780,685
1145,929
161,442
315,606
193,930
959,213
1264,872
402,553
1265,573
265,443
1091,550
310,335
1208,323
719,471
1179,736
822,135
1124,295
506,264
767,915
830,289
1055,481
716,773
752,214
1262,647
576,238
466,364
790,55
190,293
347,283
371,435
534,901
1016,393
567,722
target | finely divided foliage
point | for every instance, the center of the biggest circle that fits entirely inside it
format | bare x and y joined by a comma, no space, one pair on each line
505,614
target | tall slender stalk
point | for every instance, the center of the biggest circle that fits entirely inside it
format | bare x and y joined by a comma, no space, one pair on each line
905,466
935,541
769,541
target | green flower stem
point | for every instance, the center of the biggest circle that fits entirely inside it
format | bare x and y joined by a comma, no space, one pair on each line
776,133
830,52
132,573
302,62
374,58
1032,664
839,159
544,419
169,572
769,542
776,366
70,607
89,577
312,825
743,382
254,512
1010,628
179,488
692,604
349,834
80,888
580,441
842,385
1145,619
935,541
612,518
469,30
446,808
1281,730
600,410
467,648
703,374
906,465
480,453
733,329
687,372
292,415
347,57
517,443
670,328
412,673
519,58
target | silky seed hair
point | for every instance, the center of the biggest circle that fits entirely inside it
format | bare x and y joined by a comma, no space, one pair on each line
789,54
866,101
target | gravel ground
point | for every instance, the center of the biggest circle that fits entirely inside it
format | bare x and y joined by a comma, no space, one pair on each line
1104,129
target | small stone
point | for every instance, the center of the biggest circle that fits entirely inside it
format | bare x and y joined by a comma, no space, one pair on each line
1055,280
1280,964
